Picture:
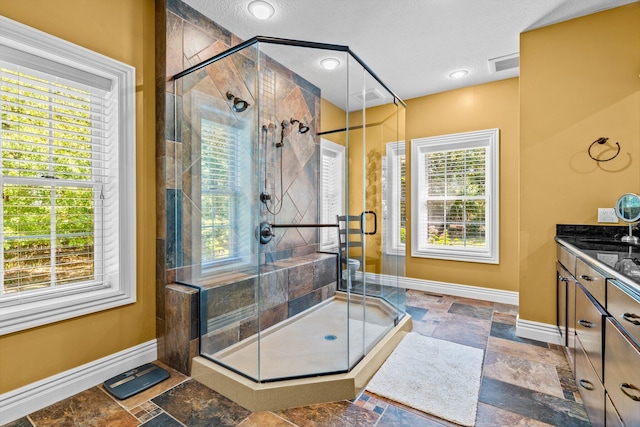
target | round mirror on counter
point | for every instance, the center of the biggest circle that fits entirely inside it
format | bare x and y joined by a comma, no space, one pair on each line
628,208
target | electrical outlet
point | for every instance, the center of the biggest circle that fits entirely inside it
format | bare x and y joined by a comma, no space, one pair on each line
607,215
607,258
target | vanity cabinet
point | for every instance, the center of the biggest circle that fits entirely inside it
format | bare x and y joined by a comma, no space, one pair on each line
605,312
566,297
591,388
590,317
611,415
593,281
622,374
624,308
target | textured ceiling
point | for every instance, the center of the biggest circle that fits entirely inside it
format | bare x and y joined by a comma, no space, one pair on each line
411,45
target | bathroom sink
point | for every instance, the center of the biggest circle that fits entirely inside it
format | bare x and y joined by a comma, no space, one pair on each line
607,241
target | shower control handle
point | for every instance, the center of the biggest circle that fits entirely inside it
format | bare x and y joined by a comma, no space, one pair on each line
264,233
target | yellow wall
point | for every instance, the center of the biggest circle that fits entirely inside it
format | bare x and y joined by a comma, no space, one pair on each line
124,30
385,124
578,82
332,118
491,105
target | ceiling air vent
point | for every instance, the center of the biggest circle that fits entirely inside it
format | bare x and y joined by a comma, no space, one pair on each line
369,95
503,63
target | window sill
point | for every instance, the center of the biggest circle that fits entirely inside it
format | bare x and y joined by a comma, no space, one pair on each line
30,315
479,256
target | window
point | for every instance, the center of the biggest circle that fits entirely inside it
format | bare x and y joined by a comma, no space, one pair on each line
220,193
395,208
332,182
67,175
455,196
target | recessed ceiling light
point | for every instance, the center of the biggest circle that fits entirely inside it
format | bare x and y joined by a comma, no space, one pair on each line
458,73
330,63
261,9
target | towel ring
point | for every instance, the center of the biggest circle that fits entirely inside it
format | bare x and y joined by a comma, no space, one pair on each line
601,141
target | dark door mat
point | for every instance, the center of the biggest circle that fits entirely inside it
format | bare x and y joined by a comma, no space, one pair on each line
136,380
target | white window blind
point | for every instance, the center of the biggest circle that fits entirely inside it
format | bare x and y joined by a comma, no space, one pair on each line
332,182
67,180
456,195
220,192
55,180
395,198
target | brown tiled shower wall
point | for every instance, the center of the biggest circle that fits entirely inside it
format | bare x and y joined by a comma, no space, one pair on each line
185,38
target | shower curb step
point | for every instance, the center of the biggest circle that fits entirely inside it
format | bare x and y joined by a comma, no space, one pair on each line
284,394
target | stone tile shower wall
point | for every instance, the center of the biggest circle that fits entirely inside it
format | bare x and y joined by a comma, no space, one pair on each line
185,38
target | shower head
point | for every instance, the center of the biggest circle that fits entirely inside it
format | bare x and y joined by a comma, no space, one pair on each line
239,105
302,128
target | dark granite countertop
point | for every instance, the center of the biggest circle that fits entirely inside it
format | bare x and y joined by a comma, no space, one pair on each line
601,247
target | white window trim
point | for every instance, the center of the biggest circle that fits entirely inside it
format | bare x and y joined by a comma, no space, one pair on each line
484,138
393,246
339,151
69,302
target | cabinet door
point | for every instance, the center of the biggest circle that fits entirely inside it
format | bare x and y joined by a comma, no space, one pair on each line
625,308
589,328
562,277
566,306
566,258
622,374
592,280
571,316
590,387
612,417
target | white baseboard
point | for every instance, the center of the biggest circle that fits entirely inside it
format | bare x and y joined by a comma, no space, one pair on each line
524,328
538,331
32,397
465,291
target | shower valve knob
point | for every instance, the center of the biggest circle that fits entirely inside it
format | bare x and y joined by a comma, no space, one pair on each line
267,233
264,233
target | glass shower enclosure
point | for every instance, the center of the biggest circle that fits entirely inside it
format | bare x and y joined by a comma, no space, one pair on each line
280,208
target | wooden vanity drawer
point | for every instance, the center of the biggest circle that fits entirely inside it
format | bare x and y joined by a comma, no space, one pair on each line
590,388
622,376
625,309
589,328
592,280
566,258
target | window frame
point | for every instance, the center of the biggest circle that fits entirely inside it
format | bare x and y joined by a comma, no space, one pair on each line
41,307
488,138
393,178
332,244
235,258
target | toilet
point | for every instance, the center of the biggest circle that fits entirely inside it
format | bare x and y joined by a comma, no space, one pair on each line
350,273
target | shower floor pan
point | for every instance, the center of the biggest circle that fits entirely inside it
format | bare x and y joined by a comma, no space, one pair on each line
298,347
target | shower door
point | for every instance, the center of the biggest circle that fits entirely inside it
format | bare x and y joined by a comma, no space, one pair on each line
276,301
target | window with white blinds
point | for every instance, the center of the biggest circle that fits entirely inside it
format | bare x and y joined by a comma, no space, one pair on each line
332,183
395,202
55,180
220,192
455,194
66,126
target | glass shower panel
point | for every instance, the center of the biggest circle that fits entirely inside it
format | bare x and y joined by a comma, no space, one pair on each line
393,208
303,326
219,113
253,231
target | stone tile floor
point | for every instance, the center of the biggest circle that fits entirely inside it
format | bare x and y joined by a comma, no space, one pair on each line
524,383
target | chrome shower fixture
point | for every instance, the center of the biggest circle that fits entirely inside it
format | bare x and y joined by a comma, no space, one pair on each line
302,128
283,126
239,105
